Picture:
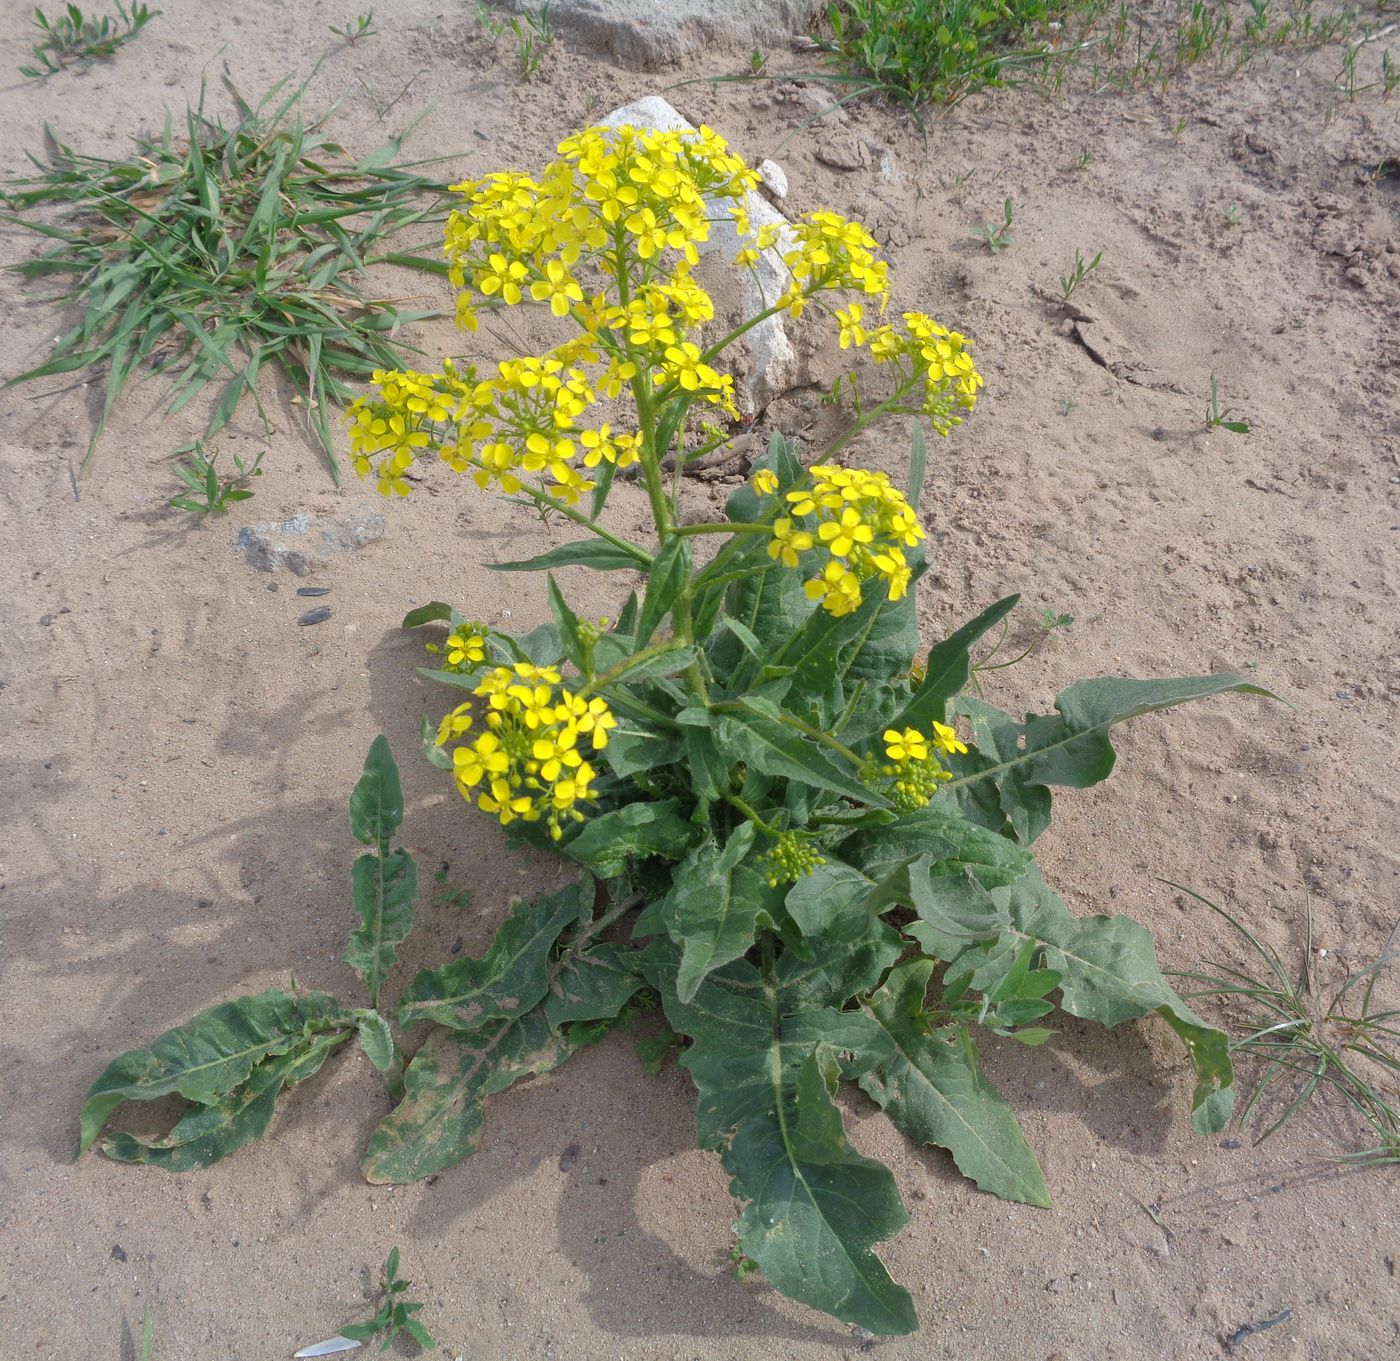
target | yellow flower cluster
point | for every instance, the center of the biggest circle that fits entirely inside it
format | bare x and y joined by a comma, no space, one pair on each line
527,764
914,768
862,522
937,355
524,419
831,252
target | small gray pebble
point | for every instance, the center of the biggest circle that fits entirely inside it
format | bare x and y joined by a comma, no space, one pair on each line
569,1157
317,616
313,590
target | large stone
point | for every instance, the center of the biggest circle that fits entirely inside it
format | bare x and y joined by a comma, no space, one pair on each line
773,366
652,33
301,544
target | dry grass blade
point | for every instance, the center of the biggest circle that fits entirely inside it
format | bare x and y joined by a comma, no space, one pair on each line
1311,1038
212,254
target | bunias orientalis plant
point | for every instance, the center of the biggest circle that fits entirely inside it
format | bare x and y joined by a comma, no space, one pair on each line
795,828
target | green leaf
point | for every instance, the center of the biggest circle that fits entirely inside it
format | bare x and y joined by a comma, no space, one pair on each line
816,1207
760,1057
377,1040
376,805
437,1122
566,621
918,463
767,744
431,613
212,1055
712,910
509,979
669,575
206,1134
932,1088
383,889
598,554
592,984
1070,747
384,882
949,667
1108,973
640,829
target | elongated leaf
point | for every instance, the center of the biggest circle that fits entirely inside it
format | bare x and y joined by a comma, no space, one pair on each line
607,842
765,1077
438,1121
816,1207
933,1089
566,622
598,554
383,889
712,910
383,883
767,744
509,980
1108,973
1070,747
669,574
949,666
376,805
207,1134
210,1056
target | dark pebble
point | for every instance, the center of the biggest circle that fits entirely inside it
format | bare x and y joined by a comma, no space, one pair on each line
271,585
46,619
569,1157
313,590
457,946
118,1253
317,616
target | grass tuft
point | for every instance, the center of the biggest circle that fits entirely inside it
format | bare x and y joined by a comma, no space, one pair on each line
75,39
212,254
1309,1038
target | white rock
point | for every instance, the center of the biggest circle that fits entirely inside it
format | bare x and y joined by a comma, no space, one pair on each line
774,180
773,362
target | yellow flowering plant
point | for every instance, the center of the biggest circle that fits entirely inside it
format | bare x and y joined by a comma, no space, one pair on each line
795,827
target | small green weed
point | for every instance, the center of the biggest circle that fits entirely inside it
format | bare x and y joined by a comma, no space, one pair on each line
534,35
758,64
1083,161
73,39
209,492
1064,405
395,1315
361,27
1081,271
1311,1038
996,236
223,251
1217,415
930,51
148,1324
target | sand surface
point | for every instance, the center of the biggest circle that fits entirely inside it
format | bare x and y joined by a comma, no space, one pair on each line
177,752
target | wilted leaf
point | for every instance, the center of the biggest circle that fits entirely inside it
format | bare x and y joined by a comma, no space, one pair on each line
210,1056
437,1122
508,980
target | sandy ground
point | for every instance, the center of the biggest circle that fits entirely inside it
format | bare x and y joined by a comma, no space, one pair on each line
177,752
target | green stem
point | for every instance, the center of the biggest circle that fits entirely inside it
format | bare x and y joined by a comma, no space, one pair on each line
644,559
753,816
630,664
890,406
723,527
